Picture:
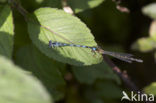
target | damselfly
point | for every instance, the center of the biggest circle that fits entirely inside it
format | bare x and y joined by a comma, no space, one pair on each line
122,56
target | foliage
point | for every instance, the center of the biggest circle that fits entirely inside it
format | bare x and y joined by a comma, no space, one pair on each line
44,68
16,84
6,31
69,74
151,89
56,25
147,44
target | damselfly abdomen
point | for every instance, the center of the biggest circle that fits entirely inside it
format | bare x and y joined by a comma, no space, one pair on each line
122,56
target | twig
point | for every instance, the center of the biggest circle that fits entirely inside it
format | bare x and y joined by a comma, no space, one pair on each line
121,8
17,5
123,76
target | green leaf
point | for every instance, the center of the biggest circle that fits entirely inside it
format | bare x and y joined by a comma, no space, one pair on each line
151,89
149,43
18,86
39,1
89,74
6,32
22,37
144,44
108,89
56,25
76,5
150,10
103,91
81,5
44,68
52,3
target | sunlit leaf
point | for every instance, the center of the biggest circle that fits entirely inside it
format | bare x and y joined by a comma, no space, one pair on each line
150,10
6,32
58,26
76,5
151,89
81,5
144,44
18,86
44,68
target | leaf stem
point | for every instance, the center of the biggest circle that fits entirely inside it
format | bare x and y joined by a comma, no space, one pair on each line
17,5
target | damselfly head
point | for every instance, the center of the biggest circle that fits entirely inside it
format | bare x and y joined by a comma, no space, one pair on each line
99,50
